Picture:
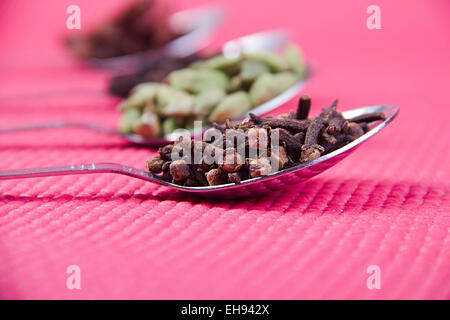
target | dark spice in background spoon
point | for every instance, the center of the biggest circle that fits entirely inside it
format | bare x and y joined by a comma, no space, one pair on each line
300,140
152,69
142,26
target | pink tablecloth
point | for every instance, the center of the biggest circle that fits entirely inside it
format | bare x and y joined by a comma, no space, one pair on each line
386,205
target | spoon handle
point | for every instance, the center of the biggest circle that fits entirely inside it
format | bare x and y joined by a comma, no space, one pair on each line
59,125
76,170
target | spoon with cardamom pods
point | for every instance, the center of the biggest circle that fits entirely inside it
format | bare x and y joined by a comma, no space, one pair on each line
250,76
298,148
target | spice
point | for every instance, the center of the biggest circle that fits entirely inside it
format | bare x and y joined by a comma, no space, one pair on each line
259,167
291,142
353,130
311,149
238,150
155,164
142,26
371,117
213,90
179,170
258,138
230,107
232,161
280,156
311,152
153,68
304,104
268,85
216,177
234,177
292,125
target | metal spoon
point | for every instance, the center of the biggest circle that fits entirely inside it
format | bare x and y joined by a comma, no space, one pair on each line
246,188
269,40
196,26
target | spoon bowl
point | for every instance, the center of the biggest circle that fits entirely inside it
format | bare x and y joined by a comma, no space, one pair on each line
196,26
300,173
247,188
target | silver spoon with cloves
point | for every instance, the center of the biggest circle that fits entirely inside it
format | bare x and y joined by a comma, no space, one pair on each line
297,147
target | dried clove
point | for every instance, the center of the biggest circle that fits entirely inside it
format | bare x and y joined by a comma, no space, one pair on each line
179,170
367,118
291,143
166,166
293,125
258,138
311,152
280,156
235,177
165,152
232,161
353,130
226,155
155,164
259,167
312,133
304,104
216,177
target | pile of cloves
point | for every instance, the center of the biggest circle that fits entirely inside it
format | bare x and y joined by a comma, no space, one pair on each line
255,146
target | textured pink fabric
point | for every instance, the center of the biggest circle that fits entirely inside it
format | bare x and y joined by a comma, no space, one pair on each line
388,204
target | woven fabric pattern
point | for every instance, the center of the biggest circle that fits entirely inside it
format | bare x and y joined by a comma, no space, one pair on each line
388,204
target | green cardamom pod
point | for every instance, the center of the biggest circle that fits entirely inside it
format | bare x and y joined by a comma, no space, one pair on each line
140,95
206,100
285,80
268,86
197,80
232,106
228,65
207,79
271,59
170,124
128,119
178,104
294,58
148,125
252,69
